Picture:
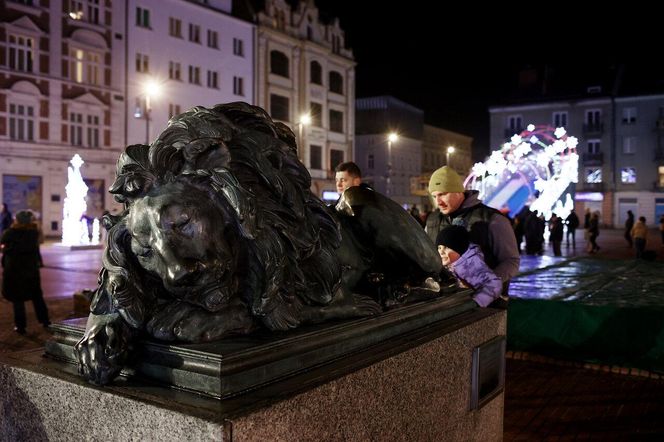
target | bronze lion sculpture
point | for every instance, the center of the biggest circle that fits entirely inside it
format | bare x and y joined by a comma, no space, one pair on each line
221,235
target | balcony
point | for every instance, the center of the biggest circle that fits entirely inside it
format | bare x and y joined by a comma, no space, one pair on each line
593,129
509,132
593,159
593,187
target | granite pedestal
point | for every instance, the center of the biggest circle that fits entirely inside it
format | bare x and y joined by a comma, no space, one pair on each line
412,385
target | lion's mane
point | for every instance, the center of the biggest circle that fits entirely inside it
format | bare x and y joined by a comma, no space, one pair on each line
248,165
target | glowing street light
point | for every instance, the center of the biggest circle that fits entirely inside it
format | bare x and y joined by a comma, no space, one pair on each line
450,151
151,89
391,138
305,120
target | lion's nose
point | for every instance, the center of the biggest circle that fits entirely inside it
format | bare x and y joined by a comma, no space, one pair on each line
180,275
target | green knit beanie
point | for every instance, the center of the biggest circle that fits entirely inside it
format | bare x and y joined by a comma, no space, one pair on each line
445,179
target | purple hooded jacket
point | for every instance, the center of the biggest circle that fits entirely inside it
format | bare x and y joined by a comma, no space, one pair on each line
473,271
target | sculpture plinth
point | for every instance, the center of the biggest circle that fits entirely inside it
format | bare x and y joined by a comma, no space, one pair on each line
414,386
239,364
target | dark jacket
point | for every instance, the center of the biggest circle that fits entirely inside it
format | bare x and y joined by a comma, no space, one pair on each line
572,221
556,230
20,260
488,228
5,220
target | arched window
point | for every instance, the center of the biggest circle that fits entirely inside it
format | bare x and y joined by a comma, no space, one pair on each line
316,73
336,83
279,63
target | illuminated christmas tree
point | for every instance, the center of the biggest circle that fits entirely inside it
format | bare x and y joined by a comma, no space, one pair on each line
74,230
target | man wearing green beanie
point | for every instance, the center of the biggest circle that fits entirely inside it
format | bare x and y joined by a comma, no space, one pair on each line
488,228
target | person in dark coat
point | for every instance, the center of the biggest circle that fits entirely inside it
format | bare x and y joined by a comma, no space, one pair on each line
572,222
629,223
21,261
533,233
5,218
556,233
593,232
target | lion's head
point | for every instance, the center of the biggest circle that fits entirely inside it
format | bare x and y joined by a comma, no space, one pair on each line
218,209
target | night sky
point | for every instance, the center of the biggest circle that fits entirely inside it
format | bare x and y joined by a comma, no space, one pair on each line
454,63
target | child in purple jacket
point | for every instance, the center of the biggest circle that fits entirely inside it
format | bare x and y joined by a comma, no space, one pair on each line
466,261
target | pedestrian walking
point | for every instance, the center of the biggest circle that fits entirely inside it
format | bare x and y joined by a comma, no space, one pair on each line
21,261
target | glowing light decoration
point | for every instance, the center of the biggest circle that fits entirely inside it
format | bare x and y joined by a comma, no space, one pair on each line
535,167
75,231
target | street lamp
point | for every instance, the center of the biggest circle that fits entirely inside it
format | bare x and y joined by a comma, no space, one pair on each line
391,138
450,151
150,89
305,120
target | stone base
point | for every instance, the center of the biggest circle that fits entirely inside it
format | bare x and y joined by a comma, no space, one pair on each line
420,390
237,365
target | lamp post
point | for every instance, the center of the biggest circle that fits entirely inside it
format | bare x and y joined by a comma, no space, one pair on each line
305,120
391,138
450,151
150,89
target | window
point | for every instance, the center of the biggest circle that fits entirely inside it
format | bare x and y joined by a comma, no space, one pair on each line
336,44
628,175
281,20
21,53
593,146
93,131
316,113
316,157
660,171
514,123
560,119
629,115
194,33
336,158
173,110
194,74
212,39
629,145
174,27
279,107
84,129
370,161
336,121
142,17
593,175
21,122
84,66
75,129
174,71
593,117
316,73
79,11
142,63
279,63
213,79
336,83
238,86
238,47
